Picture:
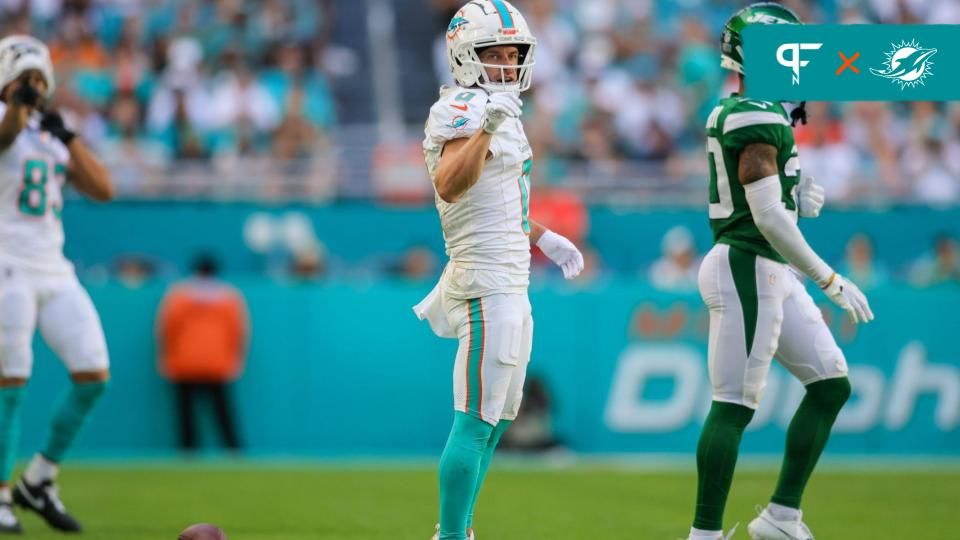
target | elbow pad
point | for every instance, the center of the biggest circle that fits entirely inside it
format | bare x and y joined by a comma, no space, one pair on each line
780,229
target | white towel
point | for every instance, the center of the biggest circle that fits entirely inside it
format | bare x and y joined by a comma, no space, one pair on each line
431,309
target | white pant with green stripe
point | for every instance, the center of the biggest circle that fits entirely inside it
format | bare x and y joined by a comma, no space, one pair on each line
760,309
496,337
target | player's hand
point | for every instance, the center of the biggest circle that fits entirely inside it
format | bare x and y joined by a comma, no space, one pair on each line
52,122
500,106
810,197
849,297
562,252
25,94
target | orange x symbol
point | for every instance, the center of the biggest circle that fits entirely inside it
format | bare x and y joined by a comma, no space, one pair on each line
848,62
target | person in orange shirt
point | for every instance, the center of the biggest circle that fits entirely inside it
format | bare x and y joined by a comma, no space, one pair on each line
202,333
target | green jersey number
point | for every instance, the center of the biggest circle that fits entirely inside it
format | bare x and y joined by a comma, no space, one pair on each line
721,200
524,182
34,200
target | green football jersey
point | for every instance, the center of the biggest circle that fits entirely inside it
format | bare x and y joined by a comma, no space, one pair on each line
735,123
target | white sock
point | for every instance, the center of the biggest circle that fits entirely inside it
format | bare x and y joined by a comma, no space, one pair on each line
700,533
783,513
40,469
6,496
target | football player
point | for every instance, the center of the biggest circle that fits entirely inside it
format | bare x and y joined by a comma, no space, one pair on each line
479,160
759,308
38,286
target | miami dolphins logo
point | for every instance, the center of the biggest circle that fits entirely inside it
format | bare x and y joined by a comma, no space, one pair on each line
455,26
458,122
908,64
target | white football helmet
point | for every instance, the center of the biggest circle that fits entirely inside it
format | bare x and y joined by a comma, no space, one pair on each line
485,23
20,53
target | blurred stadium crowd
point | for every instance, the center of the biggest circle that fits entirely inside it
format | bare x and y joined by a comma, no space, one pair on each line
622,89
318,100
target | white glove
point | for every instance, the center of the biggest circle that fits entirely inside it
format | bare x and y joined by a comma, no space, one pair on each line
848,296
500,106
810,197
562,252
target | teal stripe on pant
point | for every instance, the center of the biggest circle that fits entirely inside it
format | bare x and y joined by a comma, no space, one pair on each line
475,354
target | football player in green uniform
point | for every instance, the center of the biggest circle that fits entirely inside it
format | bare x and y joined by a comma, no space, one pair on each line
759,309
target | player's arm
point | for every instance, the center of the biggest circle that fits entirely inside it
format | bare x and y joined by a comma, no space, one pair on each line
758,172
87,174
461,160
20,99
558,249
84,170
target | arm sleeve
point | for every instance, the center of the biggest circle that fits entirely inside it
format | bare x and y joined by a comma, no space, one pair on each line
776,224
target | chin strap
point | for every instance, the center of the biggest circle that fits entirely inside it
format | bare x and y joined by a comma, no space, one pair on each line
799,114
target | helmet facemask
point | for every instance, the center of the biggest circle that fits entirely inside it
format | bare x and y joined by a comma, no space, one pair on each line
468,56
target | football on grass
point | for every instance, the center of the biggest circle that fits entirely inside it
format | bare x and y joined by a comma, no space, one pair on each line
203,531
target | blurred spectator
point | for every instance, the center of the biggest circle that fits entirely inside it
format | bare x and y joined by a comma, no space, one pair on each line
860,264
825,155
202,333
179,114
309,263
133,270
242,112
292,83
700,73
134,160
295,137
935,172
76,46
942,266
676,269
417,263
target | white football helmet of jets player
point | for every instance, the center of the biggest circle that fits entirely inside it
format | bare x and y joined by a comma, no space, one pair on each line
21,53
486,23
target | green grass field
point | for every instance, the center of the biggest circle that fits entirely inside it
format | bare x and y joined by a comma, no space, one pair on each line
579,503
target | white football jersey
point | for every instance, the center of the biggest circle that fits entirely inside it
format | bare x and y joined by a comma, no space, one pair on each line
32,173
487,230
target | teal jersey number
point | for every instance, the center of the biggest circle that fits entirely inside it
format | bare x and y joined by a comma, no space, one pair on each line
524,182
33,197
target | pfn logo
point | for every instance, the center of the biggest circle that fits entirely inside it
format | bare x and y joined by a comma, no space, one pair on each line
794,62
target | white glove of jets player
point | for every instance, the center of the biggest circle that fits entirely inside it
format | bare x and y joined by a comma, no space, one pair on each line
500,106
848,296
810,197
562,252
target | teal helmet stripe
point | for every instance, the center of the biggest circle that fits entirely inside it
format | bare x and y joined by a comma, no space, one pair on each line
505,18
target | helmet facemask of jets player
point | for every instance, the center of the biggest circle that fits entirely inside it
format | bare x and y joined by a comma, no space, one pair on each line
731,42
20,54
488,23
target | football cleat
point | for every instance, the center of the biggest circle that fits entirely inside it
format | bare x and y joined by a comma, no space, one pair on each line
767,527
9,524
44,499
719,536
436,535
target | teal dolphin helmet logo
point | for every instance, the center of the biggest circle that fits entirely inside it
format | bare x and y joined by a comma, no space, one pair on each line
907,64
455,24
